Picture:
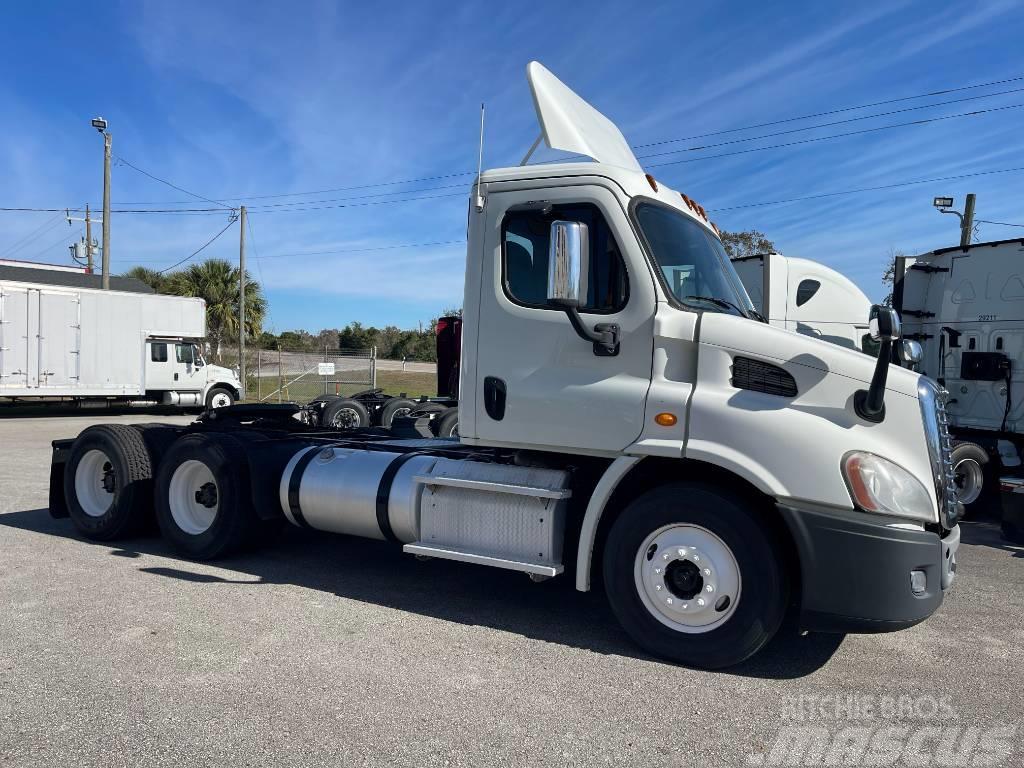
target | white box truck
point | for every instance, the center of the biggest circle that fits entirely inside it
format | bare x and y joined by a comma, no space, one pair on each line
621,410
62,341
965,305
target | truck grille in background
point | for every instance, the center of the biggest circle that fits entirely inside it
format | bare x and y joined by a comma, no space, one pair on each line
940,448
759,376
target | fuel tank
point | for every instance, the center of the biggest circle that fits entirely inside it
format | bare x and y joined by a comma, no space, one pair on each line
355,491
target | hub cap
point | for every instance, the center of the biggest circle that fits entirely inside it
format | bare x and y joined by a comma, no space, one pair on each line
969,478
220,400
193,497
95,483
345,418
688,578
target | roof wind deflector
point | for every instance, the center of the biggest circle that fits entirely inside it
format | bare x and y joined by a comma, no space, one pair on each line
570,124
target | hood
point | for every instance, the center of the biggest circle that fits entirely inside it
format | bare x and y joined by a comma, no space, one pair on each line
790,348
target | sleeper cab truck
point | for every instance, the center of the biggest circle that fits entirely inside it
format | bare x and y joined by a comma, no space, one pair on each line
623,417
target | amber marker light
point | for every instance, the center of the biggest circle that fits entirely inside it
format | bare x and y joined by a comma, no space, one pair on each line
652,182
666,419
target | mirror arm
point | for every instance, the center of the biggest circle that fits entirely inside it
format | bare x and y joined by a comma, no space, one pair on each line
870,403
605,336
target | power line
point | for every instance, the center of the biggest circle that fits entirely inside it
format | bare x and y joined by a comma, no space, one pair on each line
867,189
833,112
201,248
169,184
923,121
71,235
34,235
999,223
826,125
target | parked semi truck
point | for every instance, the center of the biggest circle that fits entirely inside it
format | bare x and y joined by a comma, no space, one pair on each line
623,417
63,341
965,305
807,297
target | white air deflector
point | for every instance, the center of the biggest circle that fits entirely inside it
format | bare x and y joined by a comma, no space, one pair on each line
493,514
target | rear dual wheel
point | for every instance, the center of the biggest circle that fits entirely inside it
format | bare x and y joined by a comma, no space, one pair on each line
695,575
203,497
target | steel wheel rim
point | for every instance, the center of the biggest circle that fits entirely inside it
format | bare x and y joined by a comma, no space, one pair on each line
90,490
189,496
345,418
669,597
969,478
220,400
400,412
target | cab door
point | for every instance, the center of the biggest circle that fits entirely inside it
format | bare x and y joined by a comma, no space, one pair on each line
538,382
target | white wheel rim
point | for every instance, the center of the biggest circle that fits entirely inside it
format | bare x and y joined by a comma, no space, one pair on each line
190,495
220,400
92,493
703,582
969,479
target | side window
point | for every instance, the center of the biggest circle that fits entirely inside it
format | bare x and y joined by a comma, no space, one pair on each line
183,353
806,290
526,237
158,352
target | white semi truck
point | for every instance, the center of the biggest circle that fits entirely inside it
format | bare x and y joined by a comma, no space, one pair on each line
62,341
965,305
621,413
807,297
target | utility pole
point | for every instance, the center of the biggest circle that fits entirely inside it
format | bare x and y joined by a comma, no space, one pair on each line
241,297
101,125
945,205
88,239
967,222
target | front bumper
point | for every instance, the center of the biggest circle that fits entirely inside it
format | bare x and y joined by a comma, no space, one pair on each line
856,574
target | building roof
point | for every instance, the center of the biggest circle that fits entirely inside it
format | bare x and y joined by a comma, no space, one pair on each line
70,279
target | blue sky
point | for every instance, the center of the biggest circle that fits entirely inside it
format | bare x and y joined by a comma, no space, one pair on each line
245,100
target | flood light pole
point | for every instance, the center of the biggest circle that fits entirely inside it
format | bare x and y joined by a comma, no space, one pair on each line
945,205
101,125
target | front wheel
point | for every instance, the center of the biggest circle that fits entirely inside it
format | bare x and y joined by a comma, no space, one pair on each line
976,479
695,575
219,397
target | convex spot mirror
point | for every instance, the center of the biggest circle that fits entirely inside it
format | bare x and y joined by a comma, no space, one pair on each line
910,352
883,323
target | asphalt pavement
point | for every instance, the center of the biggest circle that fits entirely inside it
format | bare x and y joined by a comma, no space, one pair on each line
328,650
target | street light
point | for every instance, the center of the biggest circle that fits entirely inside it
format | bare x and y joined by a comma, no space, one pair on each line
100,124
943,202
945,205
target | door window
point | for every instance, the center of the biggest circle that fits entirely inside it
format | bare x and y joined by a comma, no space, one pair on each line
806,290
183,353
158,353
526,238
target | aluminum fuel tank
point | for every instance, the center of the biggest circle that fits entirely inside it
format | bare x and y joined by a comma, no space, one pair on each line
337,489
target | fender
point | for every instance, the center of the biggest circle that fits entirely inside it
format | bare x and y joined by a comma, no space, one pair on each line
617,471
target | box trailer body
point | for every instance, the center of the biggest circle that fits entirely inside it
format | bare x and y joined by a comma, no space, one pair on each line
965,305
807,297
69,343
620,407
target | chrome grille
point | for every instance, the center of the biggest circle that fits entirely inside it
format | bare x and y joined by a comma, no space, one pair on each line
940,447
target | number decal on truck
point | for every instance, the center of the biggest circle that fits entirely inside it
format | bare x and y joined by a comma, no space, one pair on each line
986,318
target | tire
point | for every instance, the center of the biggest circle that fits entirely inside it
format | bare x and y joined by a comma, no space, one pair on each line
345,413
219,397
976,478
398,406
203,504
728,546
448,423
108,482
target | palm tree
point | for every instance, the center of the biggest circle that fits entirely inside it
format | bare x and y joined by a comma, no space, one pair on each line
155,280
216,282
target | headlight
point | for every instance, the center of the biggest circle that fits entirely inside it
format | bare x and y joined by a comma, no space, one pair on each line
879,485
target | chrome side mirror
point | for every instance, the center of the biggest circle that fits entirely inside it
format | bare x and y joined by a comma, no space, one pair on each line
568,265
910,352
883,323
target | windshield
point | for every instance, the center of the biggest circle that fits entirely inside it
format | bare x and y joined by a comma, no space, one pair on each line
693,264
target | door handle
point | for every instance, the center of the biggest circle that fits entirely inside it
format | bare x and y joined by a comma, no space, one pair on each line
175,376
495,393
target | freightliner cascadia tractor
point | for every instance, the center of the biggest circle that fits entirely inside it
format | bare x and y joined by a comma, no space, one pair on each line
624,417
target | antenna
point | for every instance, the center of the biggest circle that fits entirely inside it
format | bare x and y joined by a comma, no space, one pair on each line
480,162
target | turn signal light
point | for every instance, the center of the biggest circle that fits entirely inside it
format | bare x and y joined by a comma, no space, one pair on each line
666,419
652,182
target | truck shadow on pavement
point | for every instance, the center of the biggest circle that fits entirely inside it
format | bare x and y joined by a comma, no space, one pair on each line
381,574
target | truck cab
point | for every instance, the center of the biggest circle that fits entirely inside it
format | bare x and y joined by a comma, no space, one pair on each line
807,297
177,374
